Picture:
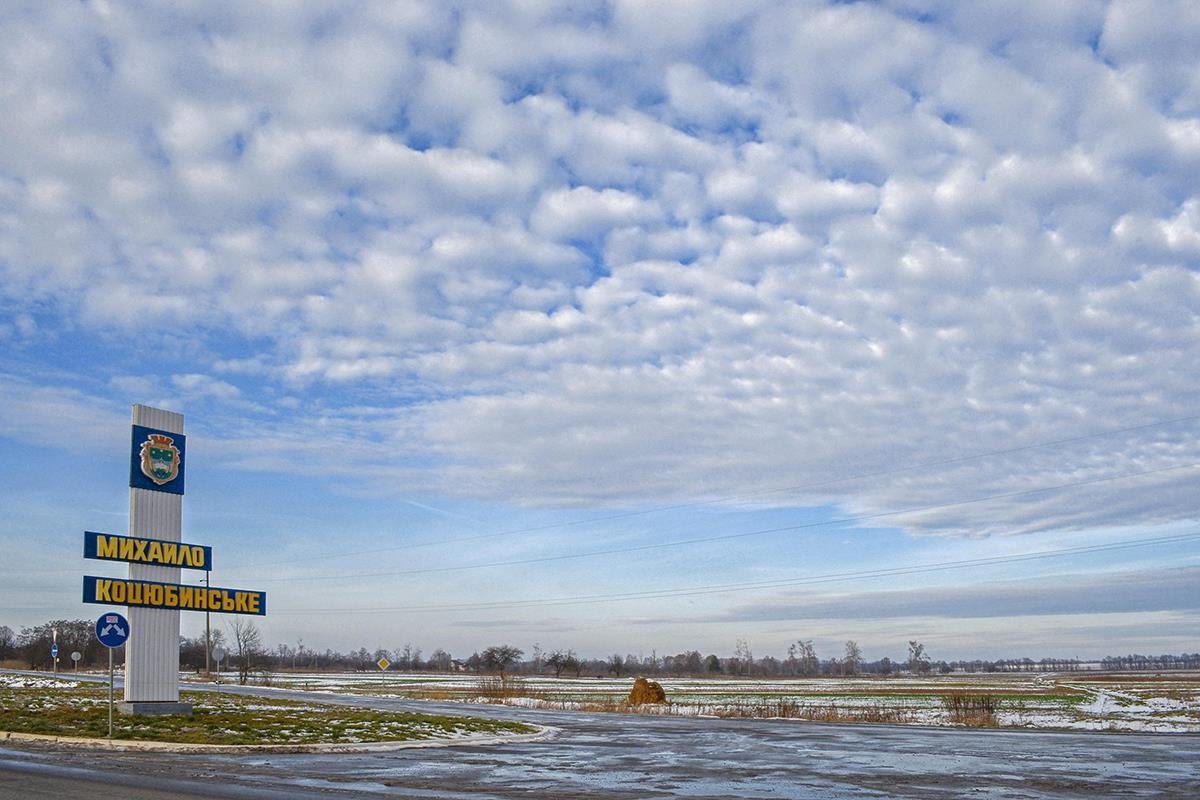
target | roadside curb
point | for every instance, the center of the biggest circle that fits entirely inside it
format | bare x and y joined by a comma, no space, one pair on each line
85,743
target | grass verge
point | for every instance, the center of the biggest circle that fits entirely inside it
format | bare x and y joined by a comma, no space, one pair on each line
225,720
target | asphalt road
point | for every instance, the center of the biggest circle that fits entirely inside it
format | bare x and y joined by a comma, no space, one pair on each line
618,756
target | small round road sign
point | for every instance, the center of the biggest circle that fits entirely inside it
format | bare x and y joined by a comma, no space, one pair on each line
76,656
112,629
54,651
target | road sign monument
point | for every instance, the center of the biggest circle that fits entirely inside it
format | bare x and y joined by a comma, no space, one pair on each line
156,554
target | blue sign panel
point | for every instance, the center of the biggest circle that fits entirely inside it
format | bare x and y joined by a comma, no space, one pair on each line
153,594
136,550
54,651
156,460
112,629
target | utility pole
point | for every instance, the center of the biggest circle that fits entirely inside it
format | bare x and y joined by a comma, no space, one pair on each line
207,634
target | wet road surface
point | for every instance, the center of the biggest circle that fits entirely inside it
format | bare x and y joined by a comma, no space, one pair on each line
621,756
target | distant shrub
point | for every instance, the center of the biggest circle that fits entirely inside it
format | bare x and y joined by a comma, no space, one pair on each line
972,709
502,687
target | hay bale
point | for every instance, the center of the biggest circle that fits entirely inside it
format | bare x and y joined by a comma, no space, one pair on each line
645,692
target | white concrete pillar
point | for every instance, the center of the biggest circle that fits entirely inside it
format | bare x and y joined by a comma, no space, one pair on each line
152,652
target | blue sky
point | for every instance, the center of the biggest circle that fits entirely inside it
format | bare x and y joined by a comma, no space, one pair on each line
614,326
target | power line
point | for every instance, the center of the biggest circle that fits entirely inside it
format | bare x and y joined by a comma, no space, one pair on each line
730,498
731,536
834,577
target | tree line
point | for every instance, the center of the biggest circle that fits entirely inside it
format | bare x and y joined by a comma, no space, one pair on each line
246,654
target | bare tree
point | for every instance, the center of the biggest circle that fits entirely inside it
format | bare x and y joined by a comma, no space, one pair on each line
440,660
853,657
408,657
917,660
616,664
802,658
247,646
8,642
33,644
557,662
743,659
500,657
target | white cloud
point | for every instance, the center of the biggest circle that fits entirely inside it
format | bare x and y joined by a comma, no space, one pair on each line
592,254
1179,234
204,385
583,212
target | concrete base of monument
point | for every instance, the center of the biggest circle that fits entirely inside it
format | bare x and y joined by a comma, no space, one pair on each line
147,708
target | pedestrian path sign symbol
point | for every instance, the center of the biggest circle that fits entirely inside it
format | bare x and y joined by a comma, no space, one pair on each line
112,629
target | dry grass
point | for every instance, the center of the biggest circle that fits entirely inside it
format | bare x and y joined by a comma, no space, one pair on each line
967,707
774,709
978,710
816,712
502,687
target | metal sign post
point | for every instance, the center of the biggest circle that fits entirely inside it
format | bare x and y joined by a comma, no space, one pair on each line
112,630
207,638
383,664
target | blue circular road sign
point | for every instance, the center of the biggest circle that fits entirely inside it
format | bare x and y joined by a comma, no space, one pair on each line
54,651
112,629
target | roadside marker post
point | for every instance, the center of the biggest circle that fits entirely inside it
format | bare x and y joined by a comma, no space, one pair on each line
112,630
383,664
218,655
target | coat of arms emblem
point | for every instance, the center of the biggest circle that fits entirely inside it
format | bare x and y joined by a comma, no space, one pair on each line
160,458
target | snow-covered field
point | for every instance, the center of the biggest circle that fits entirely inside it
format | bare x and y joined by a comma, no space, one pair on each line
1169,704
10,681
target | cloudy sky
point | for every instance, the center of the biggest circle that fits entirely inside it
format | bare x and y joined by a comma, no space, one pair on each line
617,325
